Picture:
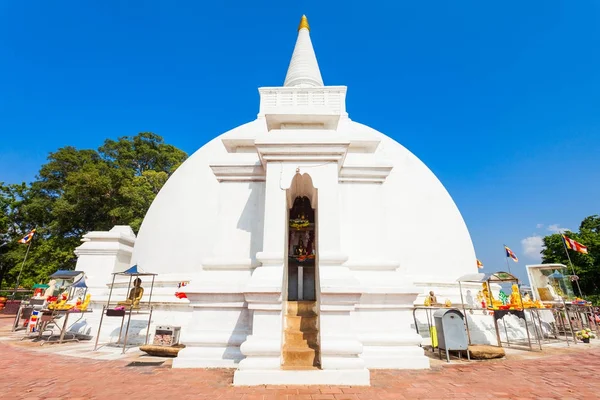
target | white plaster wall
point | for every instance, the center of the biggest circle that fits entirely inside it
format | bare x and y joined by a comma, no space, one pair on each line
362,234
422,227
180,228
241,214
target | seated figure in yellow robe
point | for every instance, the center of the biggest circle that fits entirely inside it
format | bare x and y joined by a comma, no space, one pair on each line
431,299
515,297
135,295
491,302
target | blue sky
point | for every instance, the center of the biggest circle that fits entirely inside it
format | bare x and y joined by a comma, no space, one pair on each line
500,99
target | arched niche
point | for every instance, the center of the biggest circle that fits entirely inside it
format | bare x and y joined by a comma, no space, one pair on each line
301,239
302,186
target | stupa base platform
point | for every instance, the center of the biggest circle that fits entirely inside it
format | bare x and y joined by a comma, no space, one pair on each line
353,377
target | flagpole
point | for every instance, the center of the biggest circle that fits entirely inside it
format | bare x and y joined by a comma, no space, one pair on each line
562,238
506,256
21,270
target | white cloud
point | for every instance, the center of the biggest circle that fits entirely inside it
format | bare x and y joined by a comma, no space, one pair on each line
532,246
556,228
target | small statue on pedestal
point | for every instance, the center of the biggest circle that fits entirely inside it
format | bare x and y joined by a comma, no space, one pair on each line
481,300
469,299
300,250
431,299
515,297
135,295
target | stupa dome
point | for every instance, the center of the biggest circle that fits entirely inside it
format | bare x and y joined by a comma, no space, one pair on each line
422,228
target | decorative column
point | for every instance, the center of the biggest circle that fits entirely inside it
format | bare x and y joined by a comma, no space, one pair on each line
101,254
339,289
263,292
383,317
220,323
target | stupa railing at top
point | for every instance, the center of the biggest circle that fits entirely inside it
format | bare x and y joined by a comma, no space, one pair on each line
331,99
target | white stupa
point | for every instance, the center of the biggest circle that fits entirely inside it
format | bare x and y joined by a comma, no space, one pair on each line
306,238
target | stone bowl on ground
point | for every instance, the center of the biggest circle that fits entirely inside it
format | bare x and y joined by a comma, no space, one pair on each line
162,351
485,352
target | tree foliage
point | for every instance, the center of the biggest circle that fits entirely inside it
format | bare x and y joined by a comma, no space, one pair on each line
587,266
77,191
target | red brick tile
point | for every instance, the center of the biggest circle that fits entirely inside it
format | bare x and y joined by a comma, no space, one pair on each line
331,390
552,376
368,396
252,397
345,396
351,390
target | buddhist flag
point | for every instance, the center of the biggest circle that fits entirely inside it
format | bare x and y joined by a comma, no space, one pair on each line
573,245
511,254
27,238
479,264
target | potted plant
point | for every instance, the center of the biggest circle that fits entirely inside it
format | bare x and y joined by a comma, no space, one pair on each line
585,335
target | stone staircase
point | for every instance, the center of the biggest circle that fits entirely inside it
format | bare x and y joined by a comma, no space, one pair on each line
301,336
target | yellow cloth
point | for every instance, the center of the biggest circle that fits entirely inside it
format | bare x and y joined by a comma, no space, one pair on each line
433,334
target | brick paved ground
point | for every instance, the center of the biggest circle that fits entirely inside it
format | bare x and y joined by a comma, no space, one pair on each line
29,374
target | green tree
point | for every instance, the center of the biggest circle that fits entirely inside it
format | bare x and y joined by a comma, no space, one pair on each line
78,191
136,196
12,219
146,151
586,266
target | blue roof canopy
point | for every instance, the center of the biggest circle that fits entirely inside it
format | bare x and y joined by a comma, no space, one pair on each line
80,283
65,274
134,271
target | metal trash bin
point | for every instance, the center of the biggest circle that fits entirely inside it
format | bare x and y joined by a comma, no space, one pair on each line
451,332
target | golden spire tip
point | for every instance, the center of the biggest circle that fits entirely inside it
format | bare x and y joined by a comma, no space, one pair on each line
304,23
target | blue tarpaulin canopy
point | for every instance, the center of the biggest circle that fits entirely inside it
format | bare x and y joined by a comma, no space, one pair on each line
65,274
134,271
80,283
556,275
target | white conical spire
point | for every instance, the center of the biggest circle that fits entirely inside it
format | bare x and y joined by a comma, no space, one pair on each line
304,69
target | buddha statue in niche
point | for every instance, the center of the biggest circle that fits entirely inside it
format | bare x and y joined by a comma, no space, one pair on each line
135,294
300,250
